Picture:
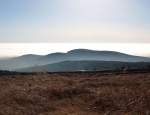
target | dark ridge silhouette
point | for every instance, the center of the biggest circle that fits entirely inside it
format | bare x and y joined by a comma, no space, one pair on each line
70,66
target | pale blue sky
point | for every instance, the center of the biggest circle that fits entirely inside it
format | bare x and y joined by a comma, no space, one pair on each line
75,21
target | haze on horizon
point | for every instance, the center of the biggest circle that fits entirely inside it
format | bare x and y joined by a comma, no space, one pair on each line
18,49
71,21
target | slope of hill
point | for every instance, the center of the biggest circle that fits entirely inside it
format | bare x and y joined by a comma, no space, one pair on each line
27,61
67,66
19,62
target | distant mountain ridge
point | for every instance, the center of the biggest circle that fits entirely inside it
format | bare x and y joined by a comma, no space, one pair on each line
27,61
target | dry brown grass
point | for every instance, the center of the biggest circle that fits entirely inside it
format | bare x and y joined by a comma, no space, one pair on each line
75,94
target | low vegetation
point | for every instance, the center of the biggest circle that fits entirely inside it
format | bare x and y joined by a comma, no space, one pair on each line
75,94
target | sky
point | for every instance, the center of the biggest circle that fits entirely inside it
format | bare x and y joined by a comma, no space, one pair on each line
75,21
45,26
18,49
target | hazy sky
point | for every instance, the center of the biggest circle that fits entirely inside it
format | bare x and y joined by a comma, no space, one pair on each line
17,49
75,21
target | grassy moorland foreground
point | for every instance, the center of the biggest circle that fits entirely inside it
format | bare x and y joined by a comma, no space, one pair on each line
75,94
